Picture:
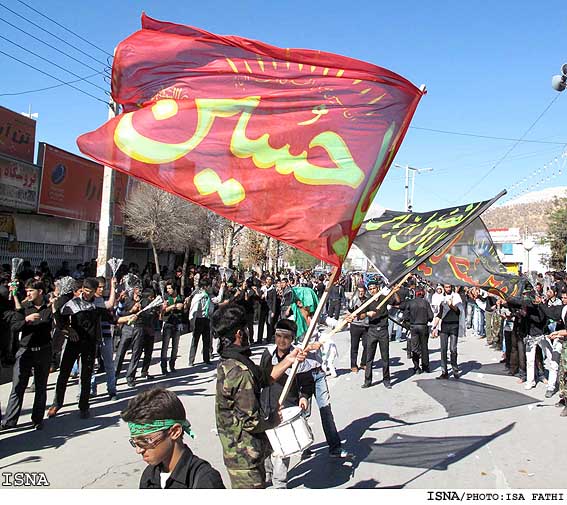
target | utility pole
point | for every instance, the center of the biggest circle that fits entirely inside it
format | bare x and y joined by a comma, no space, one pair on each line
410,180
106,210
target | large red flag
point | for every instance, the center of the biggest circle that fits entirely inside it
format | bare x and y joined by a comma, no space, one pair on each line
293,143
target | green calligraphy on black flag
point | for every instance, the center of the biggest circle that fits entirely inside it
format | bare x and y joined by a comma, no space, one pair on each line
397,242
448,245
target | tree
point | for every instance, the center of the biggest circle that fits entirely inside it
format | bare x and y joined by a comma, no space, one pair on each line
225,235
191,230
254,249
557,235
301,260
167,222
148,214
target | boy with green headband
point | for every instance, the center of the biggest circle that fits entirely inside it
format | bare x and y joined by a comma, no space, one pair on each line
157,421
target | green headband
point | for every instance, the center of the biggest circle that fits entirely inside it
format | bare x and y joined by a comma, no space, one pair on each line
138,430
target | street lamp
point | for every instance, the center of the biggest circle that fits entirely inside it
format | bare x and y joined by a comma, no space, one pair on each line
412,171
559,82
528,246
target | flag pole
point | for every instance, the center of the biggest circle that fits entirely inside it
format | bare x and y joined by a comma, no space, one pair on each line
395,289
309,332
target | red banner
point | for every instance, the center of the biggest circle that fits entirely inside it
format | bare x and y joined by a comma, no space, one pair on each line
293,143
71,186
17,135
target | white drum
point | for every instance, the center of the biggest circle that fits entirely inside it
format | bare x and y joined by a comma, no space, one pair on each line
292,436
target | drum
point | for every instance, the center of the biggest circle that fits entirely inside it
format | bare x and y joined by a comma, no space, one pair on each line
292,436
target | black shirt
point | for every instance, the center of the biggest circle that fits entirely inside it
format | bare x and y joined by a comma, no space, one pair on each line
36,333
381,318
303,385
418,311
190,472
534,319
320,289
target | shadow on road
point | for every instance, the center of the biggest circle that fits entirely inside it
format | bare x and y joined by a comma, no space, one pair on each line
104,413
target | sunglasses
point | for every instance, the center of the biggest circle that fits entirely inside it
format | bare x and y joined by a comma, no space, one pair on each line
148,442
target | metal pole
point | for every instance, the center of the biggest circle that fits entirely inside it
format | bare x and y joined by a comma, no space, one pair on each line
106,211
343,322
407,188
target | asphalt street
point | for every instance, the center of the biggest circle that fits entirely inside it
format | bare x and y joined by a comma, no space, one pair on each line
482,431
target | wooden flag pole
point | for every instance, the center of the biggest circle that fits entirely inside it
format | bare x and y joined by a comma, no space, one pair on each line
307,337
395,289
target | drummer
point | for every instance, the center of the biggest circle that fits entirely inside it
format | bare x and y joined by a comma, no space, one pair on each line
240,422
302,388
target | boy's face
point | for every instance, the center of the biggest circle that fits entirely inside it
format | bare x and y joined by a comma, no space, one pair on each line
100,289
283,341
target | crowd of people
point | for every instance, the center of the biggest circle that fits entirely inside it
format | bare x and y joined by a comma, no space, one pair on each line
528,330
82,326
79,325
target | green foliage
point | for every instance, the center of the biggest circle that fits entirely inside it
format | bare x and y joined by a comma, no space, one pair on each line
557,235
301,260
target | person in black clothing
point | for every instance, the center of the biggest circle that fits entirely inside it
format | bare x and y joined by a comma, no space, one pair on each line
377,336
534,322
157,421
418,313
320,287
336,298
286,298
34,354
138,333
449,314
268,310
172,314
358,329
246,297
301,390
64,292
83,315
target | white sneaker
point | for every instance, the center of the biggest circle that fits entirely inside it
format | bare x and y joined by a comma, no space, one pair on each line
529,385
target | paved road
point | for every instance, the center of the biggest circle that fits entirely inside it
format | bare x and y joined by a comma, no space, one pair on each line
483,431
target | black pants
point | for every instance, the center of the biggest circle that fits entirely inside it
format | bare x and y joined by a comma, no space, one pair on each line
136,337
149,339
57,343
449,338
86,349
132,336
377,336
518,354
419,347
169,332
358,333
202,329
250,325
26,361
334,309
268,321
508,342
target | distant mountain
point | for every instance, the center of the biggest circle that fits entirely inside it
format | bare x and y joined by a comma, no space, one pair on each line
544,195
528,212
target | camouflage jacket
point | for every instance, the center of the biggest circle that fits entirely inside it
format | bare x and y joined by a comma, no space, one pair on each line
240,421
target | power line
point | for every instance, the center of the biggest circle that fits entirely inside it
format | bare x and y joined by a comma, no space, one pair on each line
52,34
49,45
50,87
53,77
464,134
52,63
65,28
501,159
